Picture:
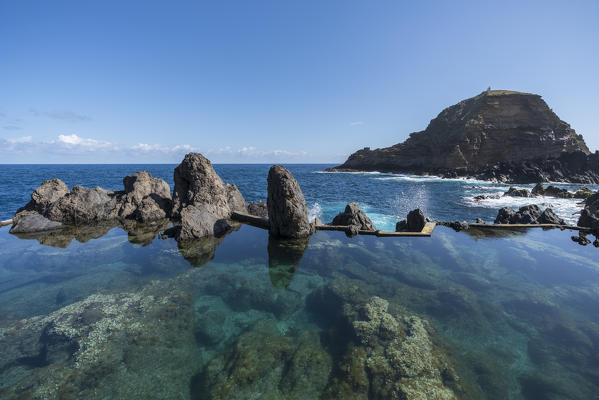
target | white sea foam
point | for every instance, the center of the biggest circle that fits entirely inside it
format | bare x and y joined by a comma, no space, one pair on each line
351,172
315,211
428,178
565,208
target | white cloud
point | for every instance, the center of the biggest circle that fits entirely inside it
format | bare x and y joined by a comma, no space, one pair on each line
66,115
74,141
85,149
356,123
23,139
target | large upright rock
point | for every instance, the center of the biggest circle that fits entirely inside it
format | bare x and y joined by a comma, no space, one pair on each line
499,134
196,183
287,209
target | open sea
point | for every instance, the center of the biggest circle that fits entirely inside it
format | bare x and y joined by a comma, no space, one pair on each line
103,314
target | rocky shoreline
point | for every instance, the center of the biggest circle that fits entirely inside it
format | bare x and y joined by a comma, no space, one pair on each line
204,208
499,135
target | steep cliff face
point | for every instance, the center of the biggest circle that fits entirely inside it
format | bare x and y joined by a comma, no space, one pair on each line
497,126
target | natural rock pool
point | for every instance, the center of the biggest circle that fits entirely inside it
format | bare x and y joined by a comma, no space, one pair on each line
469,315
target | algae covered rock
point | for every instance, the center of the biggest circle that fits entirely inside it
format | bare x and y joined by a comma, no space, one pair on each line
264,360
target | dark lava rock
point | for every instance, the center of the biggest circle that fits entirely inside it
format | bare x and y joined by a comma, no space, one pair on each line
581,239
414,223
499,135
589,217
512,191
530,214
33,222
196,183
198,222
287,209
258,208
459,226
145,199
480,221
353,216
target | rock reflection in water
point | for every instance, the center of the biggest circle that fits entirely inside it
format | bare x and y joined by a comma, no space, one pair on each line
138,233
284,257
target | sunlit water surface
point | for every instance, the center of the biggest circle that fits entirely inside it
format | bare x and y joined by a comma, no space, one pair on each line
106,314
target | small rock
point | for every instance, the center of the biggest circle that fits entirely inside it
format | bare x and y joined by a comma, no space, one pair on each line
354,216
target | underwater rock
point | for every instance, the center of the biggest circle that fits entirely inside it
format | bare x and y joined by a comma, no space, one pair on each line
127,345
353,216
263,360
197,184
287,211
244,294
530,214
390,358
258,208
28,221
382,354
513,192
284,257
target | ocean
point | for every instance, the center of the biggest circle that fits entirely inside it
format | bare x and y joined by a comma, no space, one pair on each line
102,313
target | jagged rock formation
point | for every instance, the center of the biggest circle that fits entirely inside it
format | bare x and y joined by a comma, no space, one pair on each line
258,208
589,217
414,222
145,199
202,202
287,210
498,135
354,218
530,214
196,183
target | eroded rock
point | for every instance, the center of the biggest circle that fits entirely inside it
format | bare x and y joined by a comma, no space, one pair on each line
353,216
287,211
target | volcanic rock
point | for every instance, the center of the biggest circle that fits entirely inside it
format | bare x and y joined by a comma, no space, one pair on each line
589,217
33,222
258,208
145,199
530,214
498,135
414,223
353,216
196,183
287,209
513,192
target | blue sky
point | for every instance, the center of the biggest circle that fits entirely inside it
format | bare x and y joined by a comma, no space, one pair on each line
274,81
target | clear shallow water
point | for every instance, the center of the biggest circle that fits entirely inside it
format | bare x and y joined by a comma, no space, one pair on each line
105,314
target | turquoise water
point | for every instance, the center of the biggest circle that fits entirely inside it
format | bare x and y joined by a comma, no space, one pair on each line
510,315
101,313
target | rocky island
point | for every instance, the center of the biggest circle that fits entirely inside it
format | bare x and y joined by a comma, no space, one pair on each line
499,135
